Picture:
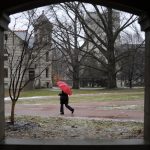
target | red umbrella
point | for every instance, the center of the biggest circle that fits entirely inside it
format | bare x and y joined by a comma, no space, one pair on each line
64,87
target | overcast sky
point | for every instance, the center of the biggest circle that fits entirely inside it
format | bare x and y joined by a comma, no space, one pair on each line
21,23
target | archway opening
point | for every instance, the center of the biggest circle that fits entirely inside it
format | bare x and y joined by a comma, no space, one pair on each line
91,82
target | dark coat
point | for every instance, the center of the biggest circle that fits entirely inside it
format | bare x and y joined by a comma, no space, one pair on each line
63,98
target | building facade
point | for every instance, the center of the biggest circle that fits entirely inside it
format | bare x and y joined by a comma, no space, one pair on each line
36,50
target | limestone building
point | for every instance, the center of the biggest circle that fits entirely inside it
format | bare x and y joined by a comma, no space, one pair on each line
38,51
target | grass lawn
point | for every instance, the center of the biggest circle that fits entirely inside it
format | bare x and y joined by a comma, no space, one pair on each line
35,127
84,95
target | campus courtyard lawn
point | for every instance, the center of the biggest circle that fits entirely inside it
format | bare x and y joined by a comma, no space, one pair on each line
78,126
82,95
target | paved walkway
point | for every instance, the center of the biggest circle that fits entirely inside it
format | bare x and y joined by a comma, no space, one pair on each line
118,110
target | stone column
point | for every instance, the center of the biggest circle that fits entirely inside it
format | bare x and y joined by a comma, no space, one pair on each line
4,20
144,21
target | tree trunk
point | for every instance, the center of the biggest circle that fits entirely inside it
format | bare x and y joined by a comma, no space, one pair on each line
111,78
111,52
76,82
12,111
130,84
111,67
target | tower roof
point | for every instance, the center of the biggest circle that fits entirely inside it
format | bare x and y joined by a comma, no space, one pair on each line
42,19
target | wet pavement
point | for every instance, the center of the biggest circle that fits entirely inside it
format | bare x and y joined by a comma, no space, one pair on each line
115,110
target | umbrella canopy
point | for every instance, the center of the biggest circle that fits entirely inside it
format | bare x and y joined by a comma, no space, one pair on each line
64,87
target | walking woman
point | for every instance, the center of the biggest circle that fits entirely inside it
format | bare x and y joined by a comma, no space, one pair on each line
64,100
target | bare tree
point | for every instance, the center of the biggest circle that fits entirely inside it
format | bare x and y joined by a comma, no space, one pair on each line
66,37
102,28
132,66
24,56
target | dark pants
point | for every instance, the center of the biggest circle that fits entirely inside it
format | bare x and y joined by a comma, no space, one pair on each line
67,106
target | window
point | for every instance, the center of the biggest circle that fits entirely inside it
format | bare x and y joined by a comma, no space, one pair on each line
31,74
6,72
47,72
47,56
35,66
5,37
5,57
5,50
47,84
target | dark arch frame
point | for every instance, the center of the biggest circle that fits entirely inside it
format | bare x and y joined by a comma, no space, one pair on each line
132,6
